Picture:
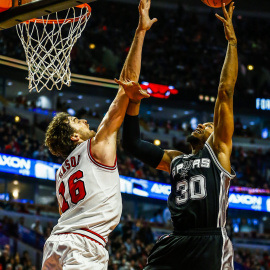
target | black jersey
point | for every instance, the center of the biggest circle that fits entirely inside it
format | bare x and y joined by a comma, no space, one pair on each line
199,196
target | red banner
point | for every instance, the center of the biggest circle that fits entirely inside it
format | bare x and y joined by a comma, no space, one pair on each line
158,90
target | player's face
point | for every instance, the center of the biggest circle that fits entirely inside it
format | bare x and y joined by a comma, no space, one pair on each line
81,127
203,131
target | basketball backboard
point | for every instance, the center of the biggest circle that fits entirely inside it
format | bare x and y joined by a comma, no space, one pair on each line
23,10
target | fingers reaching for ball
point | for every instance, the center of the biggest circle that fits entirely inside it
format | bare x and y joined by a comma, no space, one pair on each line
227,22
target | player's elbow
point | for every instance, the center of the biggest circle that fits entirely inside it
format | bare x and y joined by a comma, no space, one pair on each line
225,91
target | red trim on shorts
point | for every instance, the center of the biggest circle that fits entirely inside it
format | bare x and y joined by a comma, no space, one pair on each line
98,163
85,237
94,234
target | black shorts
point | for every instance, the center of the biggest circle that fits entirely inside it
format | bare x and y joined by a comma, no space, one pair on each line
202,249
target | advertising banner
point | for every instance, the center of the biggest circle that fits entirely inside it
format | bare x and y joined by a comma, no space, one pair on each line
140,187
28,167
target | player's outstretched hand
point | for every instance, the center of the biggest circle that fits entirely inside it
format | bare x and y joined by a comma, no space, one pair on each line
133,90
227,22
145,23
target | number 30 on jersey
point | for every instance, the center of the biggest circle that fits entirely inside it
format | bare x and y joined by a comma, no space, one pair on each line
194,189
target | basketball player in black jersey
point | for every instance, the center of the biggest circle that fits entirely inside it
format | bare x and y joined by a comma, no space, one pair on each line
199,181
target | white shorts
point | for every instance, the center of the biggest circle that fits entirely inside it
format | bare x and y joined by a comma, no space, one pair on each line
73,252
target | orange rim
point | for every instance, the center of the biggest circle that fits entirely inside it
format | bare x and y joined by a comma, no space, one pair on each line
61,21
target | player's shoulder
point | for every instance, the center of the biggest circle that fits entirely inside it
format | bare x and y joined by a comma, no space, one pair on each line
174,155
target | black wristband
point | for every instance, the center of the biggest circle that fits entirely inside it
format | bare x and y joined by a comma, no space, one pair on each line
132,143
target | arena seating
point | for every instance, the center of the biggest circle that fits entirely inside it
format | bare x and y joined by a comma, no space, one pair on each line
193,63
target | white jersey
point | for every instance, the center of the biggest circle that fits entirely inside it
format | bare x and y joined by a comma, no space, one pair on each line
89,196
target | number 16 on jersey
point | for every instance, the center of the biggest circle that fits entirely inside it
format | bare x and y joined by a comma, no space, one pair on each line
76,190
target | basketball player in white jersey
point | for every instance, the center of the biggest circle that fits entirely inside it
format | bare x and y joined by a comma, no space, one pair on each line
87,183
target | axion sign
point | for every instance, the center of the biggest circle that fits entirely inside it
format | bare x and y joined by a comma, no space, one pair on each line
28,167
140,187
144,188
15,162
249,202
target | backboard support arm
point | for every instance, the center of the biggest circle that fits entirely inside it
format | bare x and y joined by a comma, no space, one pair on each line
26,11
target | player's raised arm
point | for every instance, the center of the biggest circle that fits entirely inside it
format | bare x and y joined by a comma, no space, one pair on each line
147,152
105,139
221,141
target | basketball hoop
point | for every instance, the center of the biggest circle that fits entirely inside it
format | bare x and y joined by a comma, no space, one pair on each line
48,43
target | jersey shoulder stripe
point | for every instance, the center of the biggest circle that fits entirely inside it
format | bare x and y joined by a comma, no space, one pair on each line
110,168
213,155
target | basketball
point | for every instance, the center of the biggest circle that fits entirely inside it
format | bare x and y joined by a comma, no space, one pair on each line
215,3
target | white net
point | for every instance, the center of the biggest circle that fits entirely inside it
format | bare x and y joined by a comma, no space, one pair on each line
48,44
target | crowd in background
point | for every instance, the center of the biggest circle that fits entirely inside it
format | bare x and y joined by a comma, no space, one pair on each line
131,242
251,167
245,259
197,47
18,138
13,261
128,246
193,62
156,125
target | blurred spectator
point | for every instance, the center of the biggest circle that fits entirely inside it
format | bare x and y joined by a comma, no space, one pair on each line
158,217
5,258
132,252
36,226
245,227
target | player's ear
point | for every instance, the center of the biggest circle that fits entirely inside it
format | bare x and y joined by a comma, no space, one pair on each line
75,137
